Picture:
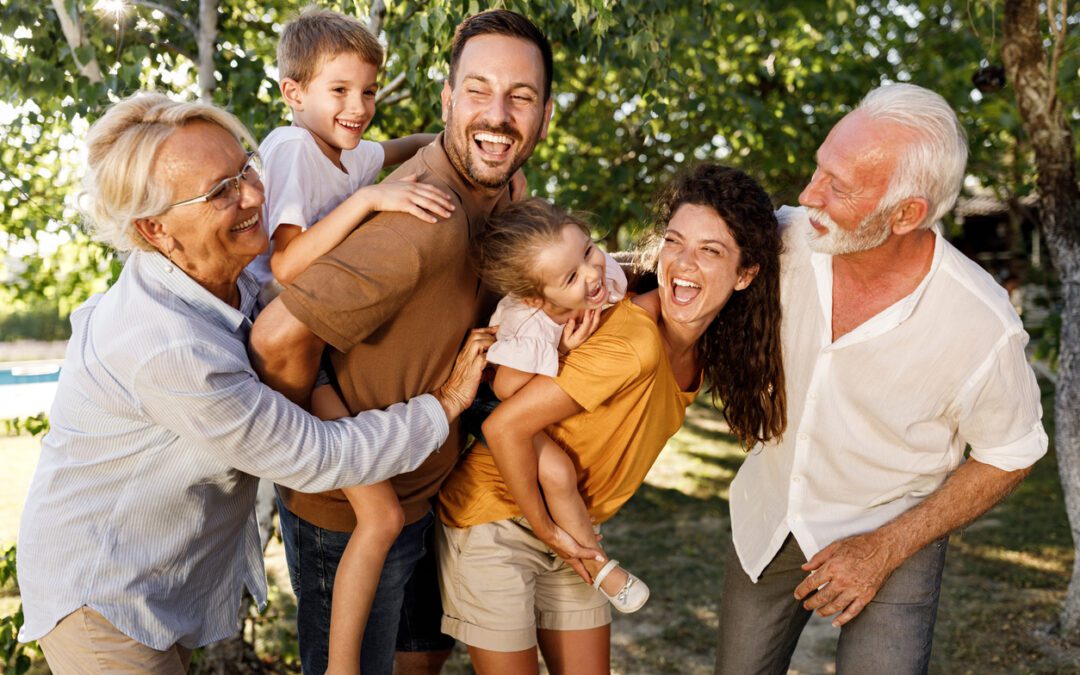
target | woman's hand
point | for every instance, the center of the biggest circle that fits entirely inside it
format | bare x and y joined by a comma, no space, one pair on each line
566,547
459,390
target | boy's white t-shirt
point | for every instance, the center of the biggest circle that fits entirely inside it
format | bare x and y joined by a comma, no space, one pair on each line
301,185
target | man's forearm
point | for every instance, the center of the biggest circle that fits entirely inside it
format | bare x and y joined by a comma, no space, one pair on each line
285,353
968,493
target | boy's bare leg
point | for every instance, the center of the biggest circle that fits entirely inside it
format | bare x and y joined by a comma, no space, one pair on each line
558,478
379,520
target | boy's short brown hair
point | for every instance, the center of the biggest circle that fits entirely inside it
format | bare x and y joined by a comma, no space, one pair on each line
319,34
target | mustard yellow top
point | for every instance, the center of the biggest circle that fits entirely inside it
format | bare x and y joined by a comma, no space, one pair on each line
623,380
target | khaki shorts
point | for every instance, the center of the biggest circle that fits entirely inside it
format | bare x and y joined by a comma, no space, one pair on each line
86,642
500,584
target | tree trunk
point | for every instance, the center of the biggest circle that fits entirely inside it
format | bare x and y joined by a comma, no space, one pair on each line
206,39
1028,70
378,16
76,38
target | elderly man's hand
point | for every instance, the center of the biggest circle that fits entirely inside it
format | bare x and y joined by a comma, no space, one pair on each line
846,575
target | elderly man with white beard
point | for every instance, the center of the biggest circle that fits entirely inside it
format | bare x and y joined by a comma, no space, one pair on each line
899,352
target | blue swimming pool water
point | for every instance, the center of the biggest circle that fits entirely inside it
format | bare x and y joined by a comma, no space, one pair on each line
29,374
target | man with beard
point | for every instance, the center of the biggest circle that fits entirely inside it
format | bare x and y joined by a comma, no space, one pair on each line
395,300
898,352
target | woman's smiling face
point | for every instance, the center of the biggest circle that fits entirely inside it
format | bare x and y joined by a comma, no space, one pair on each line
211,244
699,266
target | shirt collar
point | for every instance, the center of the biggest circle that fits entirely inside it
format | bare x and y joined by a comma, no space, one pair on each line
191,293
885,320
477,203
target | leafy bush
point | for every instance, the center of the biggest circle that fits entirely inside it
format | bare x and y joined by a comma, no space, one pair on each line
41,322
14,656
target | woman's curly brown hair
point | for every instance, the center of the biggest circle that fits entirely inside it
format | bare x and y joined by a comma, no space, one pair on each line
740,350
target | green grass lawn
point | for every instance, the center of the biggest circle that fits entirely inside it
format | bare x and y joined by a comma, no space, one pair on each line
1004,578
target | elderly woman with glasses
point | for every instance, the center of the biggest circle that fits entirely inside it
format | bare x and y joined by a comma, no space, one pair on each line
139,534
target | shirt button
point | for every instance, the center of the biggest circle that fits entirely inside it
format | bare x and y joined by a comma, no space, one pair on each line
795,479
813,396
803,437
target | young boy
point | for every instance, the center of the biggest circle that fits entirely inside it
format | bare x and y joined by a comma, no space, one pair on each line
319,179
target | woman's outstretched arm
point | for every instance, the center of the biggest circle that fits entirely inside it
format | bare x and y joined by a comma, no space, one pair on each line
509,433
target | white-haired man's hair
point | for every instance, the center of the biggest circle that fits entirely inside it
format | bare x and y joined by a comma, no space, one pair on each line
932,166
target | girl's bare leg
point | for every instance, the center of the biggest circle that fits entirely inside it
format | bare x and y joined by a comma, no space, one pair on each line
558,478
379,520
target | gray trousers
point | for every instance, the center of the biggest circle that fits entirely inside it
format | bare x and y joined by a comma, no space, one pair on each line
760,623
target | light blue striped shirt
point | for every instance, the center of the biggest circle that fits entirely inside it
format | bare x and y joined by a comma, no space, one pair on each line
142,504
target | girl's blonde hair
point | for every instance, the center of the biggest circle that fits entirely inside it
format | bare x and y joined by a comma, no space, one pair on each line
505,253
119,186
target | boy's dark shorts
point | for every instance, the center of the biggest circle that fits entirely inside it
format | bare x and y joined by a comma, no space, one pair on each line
421,610
473,418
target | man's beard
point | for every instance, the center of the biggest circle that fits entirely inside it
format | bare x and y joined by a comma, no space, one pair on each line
470,166
872,232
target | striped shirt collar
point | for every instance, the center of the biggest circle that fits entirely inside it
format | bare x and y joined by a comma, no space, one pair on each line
191,292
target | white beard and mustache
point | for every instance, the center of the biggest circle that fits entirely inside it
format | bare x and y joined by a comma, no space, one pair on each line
873,231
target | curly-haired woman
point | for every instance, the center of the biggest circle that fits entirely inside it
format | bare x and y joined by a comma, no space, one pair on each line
714,321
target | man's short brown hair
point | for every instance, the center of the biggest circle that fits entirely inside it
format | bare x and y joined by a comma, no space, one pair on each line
501,22
317,35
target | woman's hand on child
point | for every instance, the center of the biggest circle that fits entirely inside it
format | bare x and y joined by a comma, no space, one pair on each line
577,331
407,196
459,390
566,547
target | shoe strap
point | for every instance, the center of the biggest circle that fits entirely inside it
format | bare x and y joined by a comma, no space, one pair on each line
604,571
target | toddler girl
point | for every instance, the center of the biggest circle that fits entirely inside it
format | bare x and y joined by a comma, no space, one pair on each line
554,281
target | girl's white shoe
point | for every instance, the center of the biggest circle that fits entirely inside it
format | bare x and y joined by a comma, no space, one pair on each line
633,594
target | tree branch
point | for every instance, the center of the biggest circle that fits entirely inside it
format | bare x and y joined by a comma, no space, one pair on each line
397,98
393,84
377,17
76,38
168,11
1059,44
206,39
154,40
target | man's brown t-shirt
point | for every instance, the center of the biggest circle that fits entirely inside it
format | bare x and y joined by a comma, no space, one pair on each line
395,300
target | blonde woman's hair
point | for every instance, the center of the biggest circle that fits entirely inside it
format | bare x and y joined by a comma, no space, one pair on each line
317,35
119,186
505,253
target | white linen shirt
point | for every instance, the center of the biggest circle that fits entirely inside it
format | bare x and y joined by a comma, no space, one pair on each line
302,186
142,503
878,419
528,339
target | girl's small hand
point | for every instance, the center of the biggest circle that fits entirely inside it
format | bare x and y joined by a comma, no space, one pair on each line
577,331
459,390
407,196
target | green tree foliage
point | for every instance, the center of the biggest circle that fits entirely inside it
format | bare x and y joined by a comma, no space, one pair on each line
641,89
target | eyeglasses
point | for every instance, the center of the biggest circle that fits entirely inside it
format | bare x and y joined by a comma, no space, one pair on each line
220,196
